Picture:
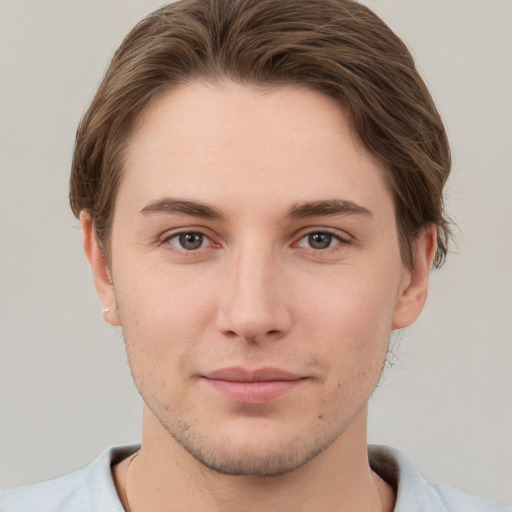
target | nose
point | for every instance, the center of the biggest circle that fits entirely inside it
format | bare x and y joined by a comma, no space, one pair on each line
254,305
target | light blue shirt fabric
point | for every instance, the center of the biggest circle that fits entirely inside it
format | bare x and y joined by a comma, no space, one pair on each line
92,489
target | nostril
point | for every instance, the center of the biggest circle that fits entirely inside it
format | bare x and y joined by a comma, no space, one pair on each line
252,337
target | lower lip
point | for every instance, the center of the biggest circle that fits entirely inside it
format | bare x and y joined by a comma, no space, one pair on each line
254,392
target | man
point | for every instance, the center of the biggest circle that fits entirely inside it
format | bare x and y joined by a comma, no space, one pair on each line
259,185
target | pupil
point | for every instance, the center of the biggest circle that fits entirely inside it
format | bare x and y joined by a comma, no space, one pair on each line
320,240
191,240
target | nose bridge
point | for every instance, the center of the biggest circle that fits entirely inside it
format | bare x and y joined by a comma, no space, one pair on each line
254,305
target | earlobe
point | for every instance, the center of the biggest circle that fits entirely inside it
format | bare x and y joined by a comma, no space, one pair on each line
414,290
100,270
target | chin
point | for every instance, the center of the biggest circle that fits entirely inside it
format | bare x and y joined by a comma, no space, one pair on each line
252,452
253,462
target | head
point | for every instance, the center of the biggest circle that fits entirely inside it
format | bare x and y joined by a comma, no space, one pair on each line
260,185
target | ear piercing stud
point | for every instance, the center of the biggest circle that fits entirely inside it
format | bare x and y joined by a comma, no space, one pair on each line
106,310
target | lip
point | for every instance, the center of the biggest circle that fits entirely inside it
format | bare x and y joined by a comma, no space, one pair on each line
252,386
239,374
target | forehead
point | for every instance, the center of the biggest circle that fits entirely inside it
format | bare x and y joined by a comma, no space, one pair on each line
228,143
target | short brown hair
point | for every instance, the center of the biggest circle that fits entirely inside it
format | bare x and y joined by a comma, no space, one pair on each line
337,47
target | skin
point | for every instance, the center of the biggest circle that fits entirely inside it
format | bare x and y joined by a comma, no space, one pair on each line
268,281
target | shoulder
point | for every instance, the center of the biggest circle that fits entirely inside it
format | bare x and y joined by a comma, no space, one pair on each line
89,489
414,494
61,494
456,500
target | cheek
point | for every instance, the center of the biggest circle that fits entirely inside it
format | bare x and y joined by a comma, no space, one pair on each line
350,337
350,320
163,320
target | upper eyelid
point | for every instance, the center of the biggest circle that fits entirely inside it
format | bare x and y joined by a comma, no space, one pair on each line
340,234
340,241
168,234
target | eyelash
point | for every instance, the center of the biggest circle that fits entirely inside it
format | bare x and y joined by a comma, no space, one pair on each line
167,240
304,235
341,241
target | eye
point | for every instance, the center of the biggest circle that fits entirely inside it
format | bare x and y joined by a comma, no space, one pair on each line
319,240
189,241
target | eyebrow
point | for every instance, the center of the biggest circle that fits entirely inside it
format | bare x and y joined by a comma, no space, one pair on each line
194,208
326,208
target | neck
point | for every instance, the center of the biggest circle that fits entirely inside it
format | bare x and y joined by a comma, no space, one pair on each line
164,477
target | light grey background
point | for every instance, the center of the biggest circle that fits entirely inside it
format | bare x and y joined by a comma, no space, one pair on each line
65,389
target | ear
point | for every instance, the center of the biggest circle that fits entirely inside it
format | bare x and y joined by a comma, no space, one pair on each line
100,270
414,289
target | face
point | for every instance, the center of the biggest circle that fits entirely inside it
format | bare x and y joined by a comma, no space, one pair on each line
256,273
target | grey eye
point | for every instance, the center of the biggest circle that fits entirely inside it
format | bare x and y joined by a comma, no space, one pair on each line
190,241
320,240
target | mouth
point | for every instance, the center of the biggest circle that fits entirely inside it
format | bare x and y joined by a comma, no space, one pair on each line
252,386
